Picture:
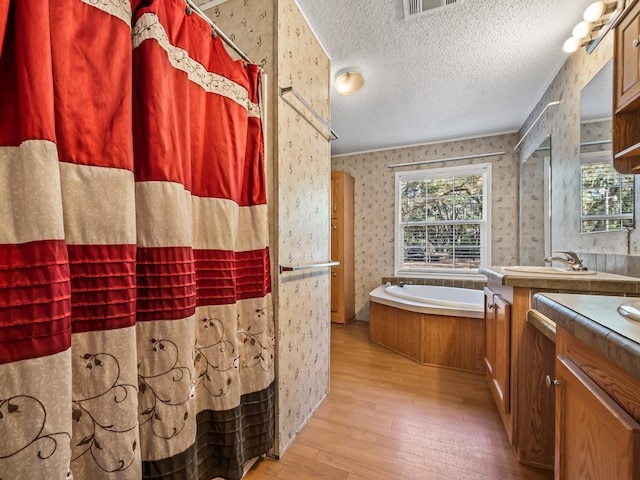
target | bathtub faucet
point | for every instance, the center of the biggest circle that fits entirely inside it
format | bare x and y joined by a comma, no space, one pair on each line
402,284
570,259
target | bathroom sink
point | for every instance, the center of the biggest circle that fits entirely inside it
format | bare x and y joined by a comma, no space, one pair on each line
630,310
547,270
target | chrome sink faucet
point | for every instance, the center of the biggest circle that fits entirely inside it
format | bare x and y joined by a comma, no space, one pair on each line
570,259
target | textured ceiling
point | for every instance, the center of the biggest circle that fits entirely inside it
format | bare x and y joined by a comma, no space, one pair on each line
475,69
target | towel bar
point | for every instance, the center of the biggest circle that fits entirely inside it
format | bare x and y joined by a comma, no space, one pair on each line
295,268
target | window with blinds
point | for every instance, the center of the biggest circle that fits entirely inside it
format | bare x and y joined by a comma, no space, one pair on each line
607,198
441,219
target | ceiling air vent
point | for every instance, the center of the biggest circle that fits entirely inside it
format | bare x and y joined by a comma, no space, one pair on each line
418,7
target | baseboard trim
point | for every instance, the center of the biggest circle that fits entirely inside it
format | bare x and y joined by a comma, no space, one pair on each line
284,449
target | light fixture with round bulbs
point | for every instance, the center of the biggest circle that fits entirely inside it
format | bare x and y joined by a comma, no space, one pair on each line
348,81
592,28
594,12
582,30
571,45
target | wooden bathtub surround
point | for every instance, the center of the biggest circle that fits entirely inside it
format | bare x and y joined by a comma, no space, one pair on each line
453,342
397,330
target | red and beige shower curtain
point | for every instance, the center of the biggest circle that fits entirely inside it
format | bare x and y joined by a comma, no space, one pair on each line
136,332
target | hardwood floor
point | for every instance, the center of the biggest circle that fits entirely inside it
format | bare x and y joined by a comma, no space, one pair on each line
389,418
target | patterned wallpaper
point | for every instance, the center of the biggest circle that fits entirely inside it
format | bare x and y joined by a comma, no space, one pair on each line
374,203
299,175
532,202
303,191
595,132
562,123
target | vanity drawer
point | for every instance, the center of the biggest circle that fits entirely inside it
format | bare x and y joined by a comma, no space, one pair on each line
623,388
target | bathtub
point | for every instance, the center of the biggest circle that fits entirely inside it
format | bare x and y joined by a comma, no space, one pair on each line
431,299
441,326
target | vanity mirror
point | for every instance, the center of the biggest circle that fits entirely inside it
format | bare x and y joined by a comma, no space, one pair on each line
596,100
607,197
535,205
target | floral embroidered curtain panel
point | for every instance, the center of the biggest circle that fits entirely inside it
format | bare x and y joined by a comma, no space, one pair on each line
136,331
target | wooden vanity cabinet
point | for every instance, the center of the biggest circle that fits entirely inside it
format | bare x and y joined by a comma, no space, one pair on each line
587,426
342,246
517,359
626,80
597,436
536,400
503,308
627,54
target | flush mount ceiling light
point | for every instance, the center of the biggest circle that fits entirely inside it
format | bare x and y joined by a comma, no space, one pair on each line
597,19
348,81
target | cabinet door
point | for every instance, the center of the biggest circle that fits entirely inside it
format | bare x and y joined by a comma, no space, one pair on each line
502,312
336,274
627,54
336,241
489,333
498,347
595,438
335,194
335,294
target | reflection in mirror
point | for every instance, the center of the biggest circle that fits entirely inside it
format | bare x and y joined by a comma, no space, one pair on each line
607,197
535,206
596,98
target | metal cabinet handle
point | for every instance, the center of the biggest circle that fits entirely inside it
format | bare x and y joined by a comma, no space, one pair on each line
550,382
636,43
335,227
491,306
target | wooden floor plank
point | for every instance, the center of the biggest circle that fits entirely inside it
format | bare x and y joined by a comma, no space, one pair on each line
388,418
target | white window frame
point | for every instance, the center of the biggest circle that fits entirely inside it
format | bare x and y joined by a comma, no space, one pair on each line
600,157
483,169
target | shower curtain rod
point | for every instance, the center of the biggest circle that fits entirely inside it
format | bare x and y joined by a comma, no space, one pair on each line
216,29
